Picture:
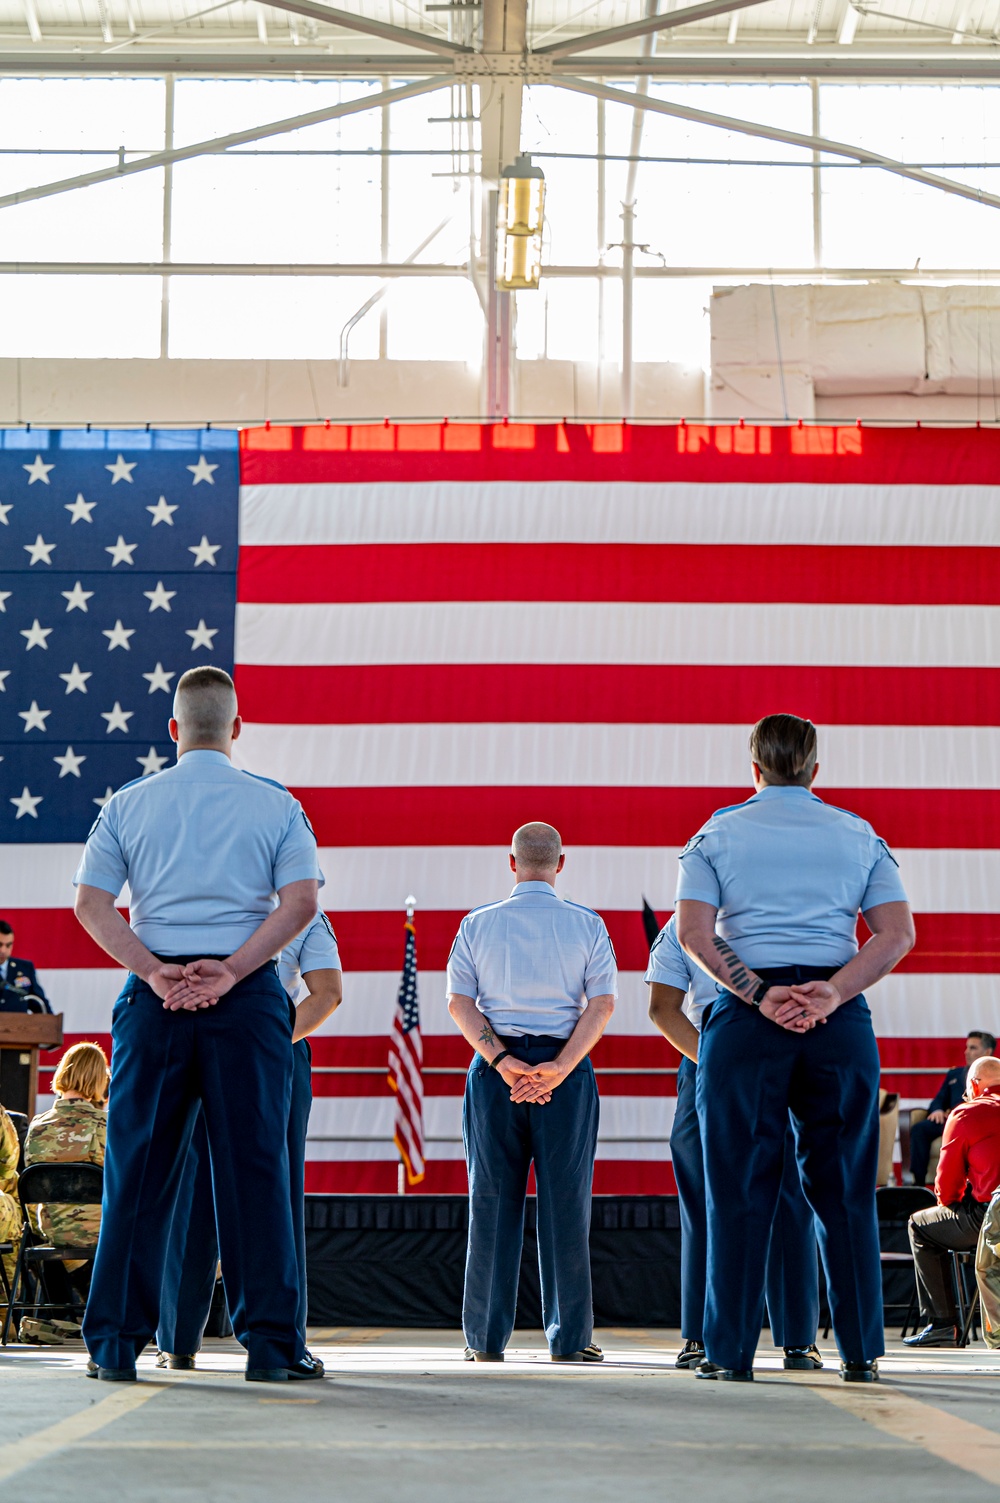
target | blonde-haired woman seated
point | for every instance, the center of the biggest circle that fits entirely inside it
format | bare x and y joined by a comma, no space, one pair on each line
73,1131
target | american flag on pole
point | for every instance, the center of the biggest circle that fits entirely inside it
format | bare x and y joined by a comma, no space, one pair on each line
406,1064
445,630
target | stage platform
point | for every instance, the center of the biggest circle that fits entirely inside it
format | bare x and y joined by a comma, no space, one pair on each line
398,1260
404,1418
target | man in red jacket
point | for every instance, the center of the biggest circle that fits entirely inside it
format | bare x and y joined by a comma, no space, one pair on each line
968,1174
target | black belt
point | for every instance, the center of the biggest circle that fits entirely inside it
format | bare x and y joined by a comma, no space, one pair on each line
793,975
533,1040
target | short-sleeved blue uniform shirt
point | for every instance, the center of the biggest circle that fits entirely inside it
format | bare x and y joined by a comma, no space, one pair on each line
204,848
532,960
789,875
670,965
315,949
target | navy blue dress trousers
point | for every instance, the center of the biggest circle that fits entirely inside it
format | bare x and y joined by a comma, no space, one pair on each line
502,1139
792,1262
751,1075
167,1065
193,1245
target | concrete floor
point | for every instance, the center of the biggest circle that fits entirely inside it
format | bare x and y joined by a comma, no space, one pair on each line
404,1420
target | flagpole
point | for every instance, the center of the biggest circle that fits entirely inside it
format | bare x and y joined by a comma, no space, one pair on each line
411,904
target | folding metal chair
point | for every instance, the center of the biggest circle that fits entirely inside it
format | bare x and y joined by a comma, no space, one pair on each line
898,1203
52,1184
966,1303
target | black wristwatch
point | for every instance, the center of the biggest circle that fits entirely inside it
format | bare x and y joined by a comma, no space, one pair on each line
760,994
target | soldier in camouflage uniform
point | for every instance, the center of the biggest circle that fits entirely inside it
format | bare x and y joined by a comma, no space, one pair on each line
988,1273
10,1207
72,1132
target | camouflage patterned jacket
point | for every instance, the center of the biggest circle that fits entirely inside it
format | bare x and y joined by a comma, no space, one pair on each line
72,1132
988,1273
10,1151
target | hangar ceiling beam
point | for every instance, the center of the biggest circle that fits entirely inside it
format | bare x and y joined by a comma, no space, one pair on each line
504,55
222,143
330,16
649,24
771,133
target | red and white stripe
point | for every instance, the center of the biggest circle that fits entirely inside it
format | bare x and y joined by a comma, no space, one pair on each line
444,631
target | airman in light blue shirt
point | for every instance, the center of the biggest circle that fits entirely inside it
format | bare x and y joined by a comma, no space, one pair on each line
532,960
205,848
669,965
789,875
315,949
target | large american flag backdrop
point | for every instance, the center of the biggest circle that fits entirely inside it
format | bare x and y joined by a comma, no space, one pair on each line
442,631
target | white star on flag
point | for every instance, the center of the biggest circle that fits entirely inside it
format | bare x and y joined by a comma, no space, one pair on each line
4,676
38,470
40,549
159,679
204,552
202,635
117,718
80,509
118,636
70,763
34,718
3,512
151,762
202,470
100,802
121,470
26,804
4,596
36,634
160,598
76,598
161,512
122,552
76,679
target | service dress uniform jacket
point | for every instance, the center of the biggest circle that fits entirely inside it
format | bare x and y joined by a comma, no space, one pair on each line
204,847
193,1247
925,1133
530,963
792,1263
18,983
788,875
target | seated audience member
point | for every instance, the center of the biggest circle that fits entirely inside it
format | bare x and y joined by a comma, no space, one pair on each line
968,1175
19,986
923,1135
72,1132
10,1207
988,1274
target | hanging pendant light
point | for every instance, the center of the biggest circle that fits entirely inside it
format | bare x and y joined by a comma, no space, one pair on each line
519,226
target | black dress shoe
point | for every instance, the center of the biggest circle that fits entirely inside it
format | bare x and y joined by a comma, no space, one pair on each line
802,1358
302,1371
471,1355
111,1374
859,1372
933,1335
175,1360
690,1354
590,1353
708,1369
310,1362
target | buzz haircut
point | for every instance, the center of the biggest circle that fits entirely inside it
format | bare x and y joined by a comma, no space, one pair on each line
537,847
205,705
784,748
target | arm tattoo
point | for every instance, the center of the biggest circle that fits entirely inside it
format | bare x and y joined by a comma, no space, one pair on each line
487,1037
727,967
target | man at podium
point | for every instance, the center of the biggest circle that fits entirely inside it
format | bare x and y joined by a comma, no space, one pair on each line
20,989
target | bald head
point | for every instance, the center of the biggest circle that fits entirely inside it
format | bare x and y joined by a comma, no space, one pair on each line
205,711
985,1071
536,853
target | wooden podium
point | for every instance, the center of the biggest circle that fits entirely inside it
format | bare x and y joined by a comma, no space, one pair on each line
22,1034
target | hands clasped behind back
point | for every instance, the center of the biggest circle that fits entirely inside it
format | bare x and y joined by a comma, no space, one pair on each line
530,1084
194,986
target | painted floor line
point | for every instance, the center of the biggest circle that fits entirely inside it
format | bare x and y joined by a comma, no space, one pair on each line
960,1442
74,1428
